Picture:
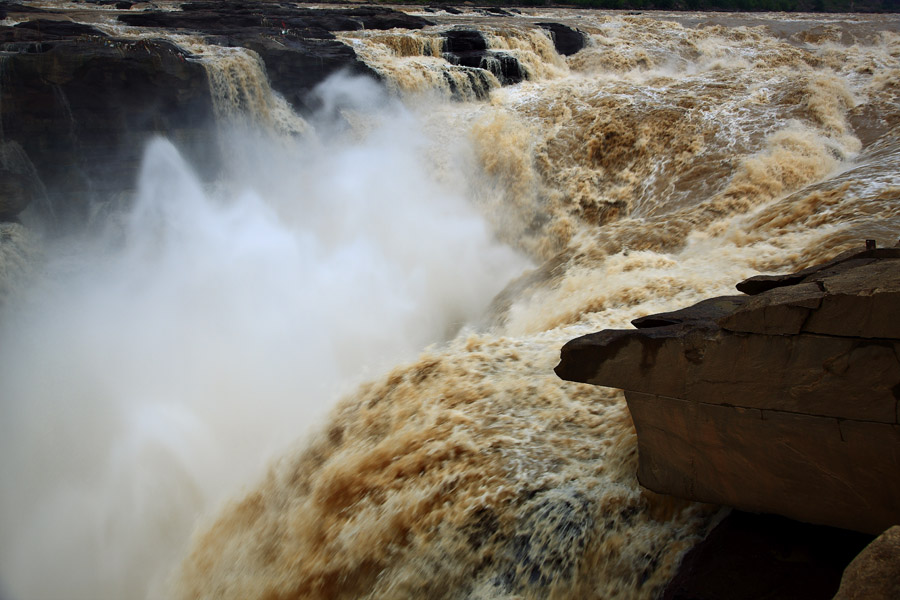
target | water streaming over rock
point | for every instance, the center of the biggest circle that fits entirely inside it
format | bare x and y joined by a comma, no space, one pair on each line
241,92
206,329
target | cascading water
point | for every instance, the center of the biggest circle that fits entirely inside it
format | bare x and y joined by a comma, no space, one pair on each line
241,92
342,256
157,368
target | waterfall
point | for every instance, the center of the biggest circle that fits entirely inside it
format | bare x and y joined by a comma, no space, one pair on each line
329,373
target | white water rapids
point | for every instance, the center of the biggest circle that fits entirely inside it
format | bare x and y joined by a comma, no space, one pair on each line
289,384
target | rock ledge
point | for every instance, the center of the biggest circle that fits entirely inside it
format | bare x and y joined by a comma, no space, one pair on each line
783,402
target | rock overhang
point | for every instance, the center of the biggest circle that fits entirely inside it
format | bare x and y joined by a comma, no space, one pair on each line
784,401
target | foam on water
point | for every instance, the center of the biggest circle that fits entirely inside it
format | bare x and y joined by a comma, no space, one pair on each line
158,370
159,365
650,180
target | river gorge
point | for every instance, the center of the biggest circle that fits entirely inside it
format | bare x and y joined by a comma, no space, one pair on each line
284,327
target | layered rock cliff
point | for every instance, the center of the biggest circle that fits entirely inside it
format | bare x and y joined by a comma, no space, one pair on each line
80,103
784,400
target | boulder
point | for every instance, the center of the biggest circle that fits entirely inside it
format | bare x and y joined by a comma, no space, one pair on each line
464,40
875,573
761,283
504,66
296,65
566,40
783,402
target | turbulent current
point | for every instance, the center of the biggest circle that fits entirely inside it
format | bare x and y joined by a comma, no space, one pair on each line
329,374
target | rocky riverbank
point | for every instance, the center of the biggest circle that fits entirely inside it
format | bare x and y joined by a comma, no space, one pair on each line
770,402
615,160
80,103
783,401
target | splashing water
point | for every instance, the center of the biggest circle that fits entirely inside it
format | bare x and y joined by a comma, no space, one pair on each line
159,369
161,364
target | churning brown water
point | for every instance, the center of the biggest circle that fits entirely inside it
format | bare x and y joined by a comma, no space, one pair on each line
157,379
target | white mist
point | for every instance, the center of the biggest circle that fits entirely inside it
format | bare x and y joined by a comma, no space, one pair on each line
154,370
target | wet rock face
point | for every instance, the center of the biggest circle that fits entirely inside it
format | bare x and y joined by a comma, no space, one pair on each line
459,41
218,18
782,402
295,65
468,48
567,41
14,194
92,102
47,28
82,104
296,44
19,181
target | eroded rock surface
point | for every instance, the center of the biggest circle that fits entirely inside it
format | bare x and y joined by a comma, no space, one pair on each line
784,402
875,573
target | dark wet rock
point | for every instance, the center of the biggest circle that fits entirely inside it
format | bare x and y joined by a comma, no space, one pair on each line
297,65
762,283
233,21
19,181
13,7
566,40
459,41
783,402
875,573
296,44
707,310
479,83
220,18
124,5
468,48
505,67
765,557
15,195
60,29
447,9
83,107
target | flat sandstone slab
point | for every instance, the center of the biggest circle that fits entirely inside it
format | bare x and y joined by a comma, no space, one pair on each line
785,401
